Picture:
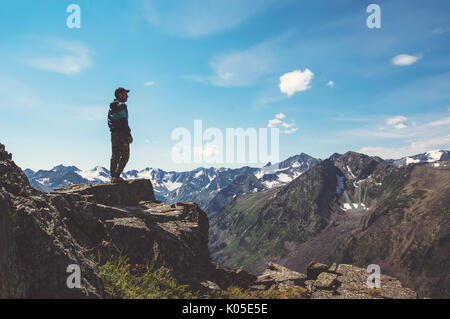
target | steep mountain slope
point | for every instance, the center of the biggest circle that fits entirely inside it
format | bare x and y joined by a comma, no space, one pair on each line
256,227
242,184
356,209
408,232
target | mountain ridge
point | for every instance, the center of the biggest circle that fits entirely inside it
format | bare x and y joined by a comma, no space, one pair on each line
323,214
200,184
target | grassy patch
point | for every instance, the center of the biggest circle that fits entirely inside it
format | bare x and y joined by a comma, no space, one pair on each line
125,281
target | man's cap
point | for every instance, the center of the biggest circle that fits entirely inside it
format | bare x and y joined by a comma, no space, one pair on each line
120,90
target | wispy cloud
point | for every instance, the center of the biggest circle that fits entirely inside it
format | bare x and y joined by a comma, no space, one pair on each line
296,81
330,83
404,59
417,138
441,30
74,58
246,67
200,18
416,147
149,83
443,121
396,120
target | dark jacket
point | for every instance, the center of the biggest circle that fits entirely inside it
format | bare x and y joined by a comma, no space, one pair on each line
118,118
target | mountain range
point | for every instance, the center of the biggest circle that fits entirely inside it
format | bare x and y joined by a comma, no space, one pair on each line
353,209
202,185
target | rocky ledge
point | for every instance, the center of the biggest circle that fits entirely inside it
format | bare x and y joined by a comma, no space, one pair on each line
332,282
42,234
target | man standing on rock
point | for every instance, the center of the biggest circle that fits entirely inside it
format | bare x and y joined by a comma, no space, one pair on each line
120,134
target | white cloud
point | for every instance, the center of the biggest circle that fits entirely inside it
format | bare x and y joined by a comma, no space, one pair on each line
396,120
296,81
277,122
291,131
75,58
285,125
149,83
330,83
274,123
417,147
404,59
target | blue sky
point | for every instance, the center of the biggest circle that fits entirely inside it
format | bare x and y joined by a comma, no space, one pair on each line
312,68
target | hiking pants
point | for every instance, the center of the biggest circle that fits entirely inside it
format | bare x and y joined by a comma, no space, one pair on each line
120,153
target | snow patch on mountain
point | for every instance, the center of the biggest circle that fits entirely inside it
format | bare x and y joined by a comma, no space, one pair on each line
434,156
171,186
354,206
97,174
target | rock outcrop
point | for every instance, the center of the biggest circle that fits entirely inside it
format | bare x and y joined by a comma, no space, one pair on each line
36,246
332,282
42,234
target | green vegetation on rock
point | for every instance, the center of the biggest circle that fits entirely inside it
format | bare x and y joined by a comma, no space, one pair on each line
126,281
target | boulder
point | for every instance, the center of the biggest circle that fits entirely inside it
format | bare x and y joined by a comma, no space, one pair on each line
276,276
314,269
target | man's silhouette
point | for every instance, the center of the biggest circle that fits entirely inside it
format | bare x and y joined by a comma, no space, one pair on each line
120,134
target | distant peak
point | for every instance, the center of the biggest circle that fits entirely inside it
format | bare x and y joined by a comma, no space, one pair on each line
60,168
